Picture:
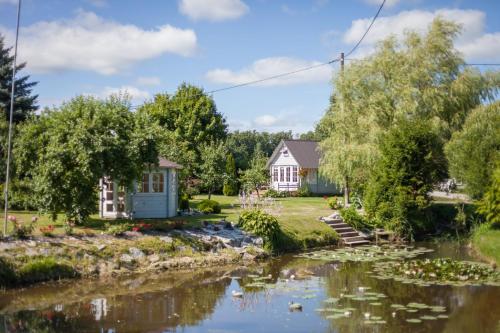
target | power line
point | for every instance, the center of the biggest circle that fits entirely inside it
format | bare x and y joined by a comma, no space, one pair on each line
367,30
298,70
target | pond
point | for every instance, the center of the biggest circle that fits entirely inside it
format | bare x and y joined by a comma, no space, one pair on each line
287,294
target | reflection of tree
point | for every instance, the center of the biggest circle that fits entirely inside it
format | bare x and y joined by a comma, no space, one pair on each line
154,304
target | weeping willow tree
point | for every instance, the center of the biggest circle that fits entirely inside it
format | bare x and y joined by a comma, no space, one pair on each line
421,77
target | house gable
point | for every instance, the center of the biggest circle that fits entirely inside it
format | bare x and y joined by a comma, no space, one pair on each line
282,156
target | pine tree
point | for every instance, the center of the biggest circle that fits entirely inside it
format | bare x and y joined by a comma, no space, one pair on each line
24,100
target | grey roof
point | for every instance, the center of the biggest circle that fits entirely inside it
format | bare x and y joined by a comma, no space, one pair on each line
305,152
164,163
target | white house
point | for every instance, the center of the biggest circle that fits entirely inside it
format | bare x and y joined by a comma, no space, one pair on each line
154,196
294,163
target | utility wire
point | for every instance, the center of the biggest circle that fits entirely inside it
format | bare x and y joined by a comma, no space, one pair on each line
367,30
298,70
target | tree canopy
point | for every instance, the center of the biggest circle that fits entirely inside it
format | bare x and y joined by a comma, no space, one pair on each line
212,168
474,151
422,77
68,149
188,118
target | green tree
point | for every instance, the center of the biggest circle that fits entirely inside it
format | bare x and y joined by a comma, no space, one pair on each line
242,144
212,170
231,183
257,174
65,151
411,161
189,118
489,205
423,77
474,151
24,100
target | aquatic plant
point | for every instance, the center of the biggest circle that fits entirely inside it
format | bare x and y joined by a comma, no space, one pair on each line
367,253
438,271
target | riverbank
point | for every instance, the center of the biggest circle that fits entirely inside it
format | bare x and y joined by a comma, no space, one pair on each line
41,258
486,241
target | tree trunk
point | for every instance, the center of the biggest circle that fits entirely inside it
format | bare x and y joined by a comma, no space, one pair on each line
346,192
209,194
257,189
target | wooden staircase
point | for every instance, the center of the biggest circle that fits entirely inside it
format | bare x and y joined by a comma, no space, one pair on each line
348,235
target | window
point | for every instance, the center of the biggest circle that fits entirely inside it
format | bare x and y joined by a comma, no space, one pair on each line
285,152
282,174
294,174
158,182
288,174
275,174
143,186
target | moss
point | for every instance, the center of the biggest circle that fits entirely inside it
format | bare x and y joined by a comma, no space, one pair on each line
44,269
150,245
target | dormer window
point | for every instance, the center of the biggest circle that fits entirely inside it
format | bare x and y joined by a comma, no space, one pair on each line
285,152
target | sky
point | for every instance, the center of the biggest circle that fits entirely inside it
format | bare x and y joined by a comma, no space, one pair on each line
100,47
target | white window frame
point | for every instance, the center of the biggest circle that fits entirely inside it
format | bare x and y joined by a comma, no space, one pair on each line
295,176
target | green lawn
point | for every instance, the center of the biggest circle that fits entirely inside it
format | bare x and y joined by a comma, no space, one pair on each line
297,216
486,241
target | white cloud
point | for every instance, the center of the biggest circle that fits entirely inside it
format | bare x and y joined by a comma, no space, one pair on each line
148,81
134,93
266,120
474,43
213,10
89,42
388,3
267,67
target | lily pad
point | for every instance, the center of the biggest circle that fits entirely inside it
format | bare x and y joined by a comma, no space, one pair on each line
428,318
414,321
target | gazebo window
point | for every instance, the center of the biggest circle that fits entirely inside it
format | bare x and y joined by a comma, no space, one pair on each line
143,186
158,182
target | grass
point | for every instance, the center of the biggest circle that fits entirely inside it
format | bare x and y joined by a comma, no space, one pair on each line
486,240
298,218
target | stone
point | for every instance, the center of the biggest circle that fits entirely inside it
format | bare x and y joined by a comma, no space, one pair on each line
249,257
126,258
167,239
258,241
100,247
154,258
136,253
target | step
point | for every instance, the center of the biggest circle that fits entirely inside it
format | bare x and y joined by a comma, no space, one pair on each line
343,229
357,243
353,239
348,234
340,224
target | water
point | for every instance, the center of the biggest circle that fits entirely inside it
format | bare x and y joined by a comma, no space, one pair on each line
202,301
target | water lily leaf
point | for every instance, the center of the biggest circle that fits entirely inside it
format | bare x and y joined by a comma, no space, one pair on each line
414,320
428,318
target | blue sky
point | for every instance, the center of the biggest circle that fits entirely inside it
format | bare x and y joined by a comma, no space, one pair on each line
146,47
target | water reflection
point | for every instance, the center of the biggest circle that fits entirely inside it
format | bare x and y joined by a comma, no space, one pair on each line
202,301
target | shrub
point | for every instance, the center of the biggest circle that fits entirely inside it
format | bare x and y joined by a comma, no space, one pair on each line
335,203
47,230
184,201
303,191
353,218
261,224
272,193
117,229
68,227
7,273
21,230
150,245
45,269
209,207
